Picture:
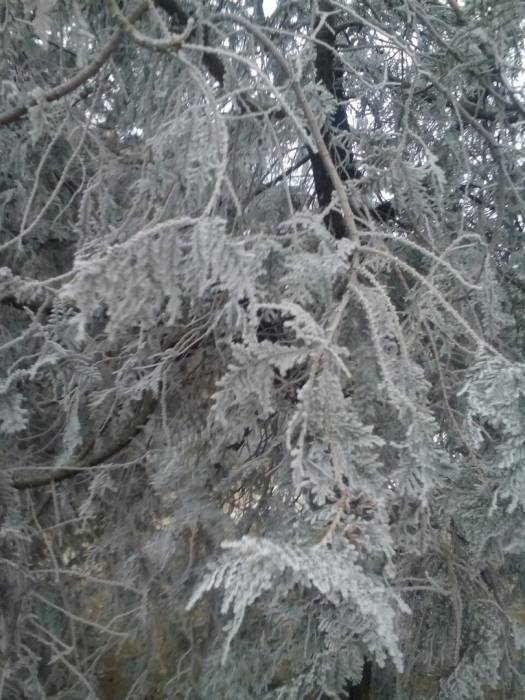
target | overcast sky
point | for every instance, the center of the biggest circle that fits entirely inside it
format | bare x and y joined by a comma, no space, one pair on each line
269,6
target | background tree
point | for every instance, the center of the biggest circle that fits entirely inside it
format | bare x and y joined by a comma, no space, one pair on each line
262,407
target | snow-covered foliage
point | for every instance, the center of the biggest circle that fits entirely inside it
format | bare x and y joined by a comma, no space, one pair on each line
262,371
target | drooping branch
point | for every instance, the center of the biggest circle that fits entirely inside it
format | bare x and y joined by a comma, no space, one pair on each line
81,77
90,457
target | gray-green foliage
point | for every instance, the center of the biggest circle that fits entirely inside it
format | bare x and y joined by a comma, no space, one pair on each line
241,456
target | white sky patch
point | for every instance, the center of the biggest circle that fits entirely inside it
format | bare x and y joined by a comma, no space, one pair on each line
269,7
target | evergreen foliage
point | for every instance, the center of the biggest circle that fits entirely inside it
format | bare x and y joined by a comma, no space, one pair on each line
262,351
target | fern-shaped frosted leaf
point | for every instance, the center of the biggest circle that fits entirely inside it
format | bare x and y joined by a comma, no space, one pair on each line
252,566
13,418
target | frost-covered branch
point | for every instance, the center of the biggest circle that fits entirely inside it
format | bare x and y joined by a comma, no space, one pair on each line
81,77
